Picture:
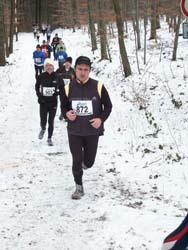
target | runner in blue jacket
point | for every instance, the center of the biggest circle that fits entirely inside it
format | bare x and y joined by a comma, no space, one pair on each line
39,58
61,56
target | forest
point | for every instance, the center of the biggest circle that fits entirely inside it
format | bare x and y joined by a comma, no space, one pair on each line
97,16
135,194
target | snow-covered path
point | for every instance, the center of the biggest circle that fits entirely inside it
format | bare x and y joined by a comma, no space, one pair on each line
36,182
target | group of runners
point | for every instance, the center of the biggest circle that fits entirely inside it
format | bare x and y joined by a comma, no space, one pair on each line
85,104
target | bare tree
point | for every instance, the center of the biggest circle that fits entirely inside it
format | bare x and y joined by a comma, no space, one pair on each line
176,37
145,26
153,33
123,52
12,20
74,14
92,27
2,33
102,30
137,29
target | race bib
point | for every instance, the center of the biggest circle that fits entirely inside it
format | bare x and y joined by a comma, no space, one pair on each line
48,91
66,81
61,57
82,107
38,60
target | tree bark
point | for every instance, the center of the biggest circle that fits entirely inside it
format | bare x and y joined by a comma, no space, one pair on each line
124,58
174,54
12,19
2,37
137,25
102,31
75,16
145,27
153,33
91,27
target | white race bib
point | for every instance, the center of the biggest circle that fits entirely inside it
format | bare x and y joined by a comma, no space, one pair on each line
38,59
61,57
48,91
82,107
66,81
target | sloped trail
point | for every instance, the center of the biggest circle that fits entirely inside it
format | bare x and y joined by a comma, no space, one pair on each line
36,181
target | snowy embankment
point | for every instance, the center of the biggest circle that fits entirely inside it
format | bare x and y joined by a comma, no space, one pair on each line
135,193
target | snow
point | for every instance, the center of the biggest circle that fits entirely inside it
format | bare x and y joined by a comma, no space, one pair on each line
135,194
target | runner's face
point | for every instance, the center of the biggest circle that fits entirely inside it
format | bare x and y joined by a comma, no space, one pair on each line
49,68
67,65
82,72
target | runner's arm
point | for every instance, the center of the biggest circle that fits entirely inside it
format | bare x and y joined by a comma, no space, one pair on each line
106,104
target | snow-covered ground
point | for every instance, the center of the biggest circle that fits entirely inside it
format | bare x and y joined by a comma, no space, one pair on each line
136,191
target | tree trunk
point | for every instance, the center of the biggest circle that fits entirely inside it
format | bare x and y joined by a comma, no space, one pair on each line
44,11
145,27
6,18
75,13
158,26
176,37
2,33
102,31
153,33
125,10
137,25
124,58
92,27
111,30
12,19
38,12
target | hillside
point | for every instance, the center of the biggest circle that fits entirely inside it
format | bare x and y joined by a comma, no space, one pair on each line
136,192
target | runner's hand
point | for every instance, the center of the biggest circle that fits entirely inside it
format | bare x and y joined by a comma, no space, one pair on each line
95,122
71,115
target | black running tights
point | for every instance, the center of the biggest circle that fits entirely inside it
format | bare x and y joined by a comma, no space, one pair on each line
83,150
